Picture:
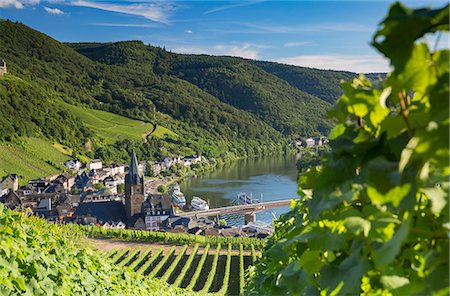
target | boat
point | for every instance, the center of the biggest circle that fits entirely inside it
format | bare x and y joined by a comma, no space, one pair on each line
177,196
247,199
199,204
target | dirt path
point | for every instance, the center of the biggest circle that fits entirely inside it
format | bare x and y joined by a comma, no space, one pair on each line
106,245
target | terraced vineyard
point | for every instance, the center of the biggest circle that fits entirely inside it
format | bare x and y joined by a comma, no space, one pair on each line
207,270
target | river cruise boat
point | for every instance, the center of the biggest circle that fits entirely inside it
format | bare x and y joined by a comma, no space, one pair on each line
178,197
199,204
247,199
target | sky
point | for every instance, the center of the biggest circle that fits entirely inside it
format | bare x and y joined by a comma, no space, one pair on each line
320,34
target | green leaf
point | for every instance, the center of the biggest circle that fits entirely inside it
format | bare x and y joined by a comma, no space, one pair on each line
387,253
438,198
403,26
392,282
356,225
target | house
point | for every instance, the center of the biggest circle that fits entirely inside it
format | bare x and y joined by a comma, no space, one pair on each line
38,185
139,224
73,164
190,160
104,211
67,205
116,169
157,208
11,182
11,200
175,221
3,191
81,180
55,188
118,225
66,180
95,164
310,142
3,69
111,184
158,167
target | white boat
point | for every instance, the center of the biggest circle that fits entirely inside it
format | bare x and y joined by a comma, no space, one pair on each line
247,199
178,196
199,204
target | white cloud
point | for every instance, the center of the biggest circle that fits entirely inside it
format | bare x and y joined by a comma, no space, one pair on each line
359,64
252,28
18,4
234,5
298,44
188,31
243,50
53,10
127,25
157,11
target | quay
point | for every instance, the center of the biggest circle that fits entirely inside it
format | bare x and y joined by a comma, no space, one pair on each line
249,210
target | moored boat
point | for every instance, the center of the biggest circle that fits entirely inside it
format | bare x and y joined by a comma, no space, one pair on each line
245,198
199,204
178,197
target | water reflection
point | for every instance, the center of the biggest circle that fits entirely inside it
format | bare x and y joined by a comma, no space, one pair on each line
272,178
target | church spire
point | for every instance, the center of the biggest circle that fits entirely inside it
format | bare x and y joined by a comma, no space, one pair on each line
134,189
133,171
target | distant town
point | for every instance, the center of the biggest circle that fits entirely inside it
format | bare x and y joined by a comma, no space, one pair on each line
117,196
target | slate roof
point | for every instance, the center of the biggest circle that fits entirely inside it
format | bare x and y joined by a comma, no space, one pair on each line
106,211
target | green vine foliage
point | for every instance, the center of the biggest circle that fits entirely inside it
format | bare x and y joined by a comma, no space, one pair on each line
373,218
41,258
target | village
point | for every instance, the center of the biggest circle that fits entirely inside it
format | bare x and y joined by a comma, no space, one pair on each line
118,196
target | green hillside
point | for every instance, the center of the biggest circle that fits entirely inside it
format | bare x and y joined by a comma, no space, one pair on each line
109,126
31,159
111,95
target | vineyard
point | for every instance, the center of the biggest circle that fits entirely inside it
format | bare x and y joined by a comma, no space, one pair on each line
204,269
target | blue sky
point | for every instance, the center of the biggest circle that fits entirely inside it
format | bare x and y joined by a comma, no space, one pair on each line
320,34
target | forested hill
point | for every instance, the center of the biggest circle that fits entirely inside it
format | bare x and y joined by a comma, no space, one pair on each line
234,81
216,106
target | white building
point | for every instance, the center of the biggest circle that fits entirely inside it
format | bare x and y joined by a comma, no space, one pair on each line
73,164
310,142
95,164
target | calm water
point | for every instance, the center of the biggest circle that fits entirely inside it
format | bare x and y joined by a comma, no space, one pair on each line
274,178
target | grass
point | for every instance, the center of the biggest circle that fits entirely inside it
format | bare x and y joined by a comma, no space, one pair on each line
35,158
162,133
110,126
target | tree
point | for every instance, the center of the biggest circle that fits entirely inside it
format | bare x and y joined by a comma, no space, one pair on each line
373,218
162,189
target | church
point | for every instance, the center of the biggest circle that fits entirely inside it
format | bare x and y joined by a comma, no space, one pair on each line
143,213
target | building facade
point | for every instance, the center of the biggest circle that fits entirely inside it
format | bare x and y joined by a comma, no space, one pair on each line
134,189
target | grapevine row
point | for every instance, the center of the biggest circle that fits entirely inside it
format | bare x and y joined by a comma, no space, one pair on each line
165,237
174,264
186,266
224,289
161,263
120,255
199,268
132,256
212,272
241,270
149,262
140,260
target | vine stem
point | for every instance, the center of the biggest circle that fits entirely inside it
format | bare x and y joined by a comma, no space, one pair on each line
405,112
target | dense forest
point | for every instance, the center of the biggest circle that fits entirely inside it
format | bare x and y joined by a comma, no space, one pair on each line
220,107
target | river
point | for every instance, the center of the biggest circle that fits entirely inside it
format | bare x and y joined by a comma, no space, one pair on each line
273,178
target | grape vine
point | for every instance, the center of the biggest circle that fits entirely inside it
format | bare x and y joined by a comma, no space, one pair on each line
373,217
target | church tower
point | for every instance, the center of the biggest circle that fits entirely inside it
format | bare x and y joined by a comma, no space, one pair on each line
134,189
